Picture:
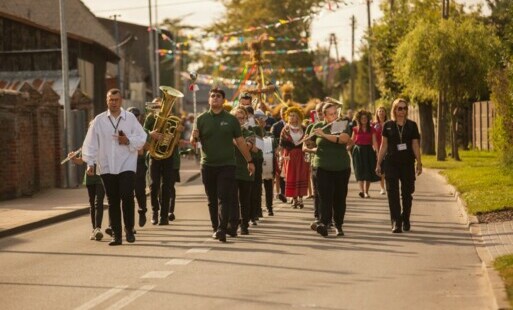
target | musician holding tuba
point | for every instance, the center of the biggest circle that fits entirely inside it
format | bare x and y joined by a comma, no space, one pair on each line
164,131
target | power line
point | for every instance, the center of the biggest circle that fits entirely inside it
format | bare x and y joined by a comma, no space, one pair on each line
144,7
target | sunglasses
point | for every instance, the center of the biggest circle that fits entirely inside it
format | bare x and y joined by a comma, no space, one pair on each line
215,95
402,109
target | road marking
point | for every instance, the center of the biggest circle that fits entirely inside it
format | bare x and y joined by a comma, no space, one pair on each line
197,250
133,296
157,275
179,261
101,298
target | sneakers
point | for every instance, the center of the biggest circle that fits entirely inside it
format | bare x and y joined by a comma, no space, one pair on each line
322,230
220,235
339,231
366,195
361,194
382,191
98,234
314,225
93,235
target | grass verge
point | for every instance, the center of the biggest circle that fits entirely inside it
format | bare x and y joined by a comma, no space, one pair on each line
484,184
504,265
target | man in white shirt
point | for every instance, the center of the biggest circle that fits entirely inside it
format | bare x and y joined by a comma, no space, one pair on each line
111,143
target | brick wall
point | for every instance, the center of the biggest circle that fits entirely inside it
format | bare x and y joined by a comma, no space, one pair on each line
30,141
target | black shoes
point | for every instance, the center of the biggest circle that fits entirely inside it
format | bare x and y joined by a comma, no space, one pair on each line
322,230
109,231
270,212
396,228
282,198
142,219
163,221
361,194
115,241
130,237
406,225
314,225
339,231
244,231
171,217
155,218
220,235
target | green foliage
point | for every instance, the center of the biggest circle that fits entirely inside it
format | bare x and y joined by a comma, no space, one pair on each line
479,178
504,265
501,82
454,55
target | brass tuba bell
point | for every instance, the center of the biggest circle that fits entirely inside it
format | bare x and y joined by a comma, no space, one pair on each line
166,124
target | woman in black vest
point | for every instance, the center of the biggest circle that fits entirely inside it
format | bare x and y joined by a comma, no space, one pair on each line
400,148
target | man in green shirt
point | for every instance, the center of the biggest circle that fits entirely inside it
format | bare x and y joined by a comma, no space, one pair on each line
217,130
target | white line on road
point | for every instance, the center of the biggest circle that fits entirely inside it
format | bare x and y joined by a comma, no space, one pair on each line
197,250
157,275
98,300
179,261
133,296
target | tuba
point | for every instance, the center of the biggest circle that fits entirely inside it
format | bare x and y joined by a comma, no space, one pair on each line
166,124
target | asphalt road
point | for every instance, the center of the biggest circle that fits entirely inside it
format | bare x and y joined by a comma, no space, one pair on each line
281,264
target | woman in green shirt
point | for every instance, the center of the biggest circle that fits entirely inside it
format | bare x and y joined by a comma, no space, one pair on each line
333,171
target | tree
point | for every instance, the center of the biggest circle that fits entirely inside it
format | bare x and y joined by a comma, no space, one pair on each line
452,57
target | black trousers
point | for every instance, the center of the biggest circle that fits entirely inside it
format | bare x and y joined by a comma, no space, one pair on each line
219,185
315,192
96,195
175,178
120,194
140,186
256,190
243,202
161,173
332,187
404,173
268,186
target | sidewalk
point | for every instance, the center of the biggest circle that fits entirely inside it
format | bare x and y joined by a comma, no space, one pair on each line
59,204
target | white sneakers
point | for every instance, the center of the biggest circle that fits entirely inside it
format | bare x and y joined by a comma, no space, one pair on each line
382,191
96,234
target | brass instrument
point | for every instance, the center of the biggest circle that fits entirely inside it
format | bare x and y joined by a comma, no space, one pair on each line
166,124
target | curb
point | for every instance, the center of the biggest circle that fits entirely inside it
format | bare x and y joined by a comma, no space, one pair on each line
44,222
495,282
61,217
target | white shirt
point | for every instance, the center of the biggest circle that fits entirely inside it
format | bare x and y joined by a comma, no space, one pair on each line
101,146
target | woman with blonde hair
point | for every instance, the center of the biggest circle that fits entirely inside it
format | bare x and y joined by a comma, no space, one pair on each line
380,117
399,149
295,168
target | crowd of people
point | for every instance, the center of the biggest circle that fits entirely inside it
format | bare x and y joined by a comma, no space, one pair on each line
243,148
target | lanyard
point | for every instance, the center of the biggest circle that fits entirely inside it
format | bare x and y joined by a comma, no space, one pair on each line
400,131
112,123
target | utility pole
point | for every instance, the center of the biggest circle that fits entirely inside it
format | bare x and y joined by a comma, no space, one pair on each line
68,123
156,53
351,67
116,35
392,6
176,68
371,83
445,9
151,53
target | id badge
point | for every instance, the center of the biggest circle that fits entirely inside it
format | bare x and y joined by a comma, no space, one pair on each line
402,147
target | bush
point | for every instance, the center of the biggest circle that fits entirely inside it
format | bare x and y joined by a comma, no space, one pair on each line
501,84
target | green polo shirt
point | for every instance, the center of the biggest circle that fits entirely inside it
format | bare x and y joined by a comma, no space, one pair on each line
330,156
241,171
217,132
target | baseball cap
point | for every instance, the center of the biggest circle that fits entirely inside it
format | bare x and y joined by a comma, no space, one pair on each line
260,114
245,95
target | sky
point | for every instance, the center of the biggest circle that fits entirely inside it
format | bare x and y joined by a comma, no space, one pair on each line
204,12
